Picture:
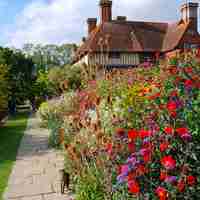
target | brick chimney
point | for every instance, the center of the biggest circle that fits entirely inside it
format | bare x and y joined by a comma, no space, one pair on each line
189,13
92,23
105,10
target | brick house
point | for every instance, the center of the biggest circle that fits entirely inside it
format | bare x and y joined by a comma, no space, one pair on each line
120,42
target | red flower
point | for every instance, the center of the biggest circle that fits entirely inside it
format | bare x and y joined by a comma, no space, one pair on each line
133,187
174,93
188,70
168,162
164,146
169,130
173,114
163,175
181,186
144,133
132,134
109,148
131,147
162,193
183,132
188,83
120,132
131,175
147,157
171,106
141,170
191,180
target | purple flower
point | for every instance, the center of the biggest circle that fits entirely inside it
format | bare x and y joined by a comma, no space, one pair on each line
132,161
171,179
144,152
186,137
121,178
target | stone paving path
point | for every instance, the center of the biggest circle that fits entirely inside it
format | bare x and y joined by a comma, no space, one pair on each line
35,175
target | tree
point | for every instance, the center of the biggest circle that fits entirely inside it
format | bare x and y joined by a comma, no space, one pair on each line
48,56
4,87
20,73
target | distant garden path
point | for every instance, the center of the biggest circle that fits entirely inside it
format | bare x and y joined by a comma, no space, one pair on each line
35,175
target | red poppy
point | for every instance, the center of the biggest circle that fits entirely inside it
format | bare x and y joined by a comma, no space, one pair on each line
181,185
162,193
164,146
147,157
109,148
163,175
168,162
120,132
182,131
131,175
174,93
131,147
188,83
133,187
173,114
144,133
171,106
191,180
132,134
169,130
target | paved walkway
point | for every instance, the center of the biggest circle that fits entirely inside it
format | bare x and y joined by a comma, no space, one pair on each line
35,175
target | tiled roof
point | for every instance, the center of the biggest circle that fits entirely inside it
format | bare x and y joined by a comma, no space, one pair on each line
128,36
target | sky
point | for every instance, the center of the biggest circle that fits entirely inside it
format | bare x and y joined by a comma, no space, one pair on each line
64,21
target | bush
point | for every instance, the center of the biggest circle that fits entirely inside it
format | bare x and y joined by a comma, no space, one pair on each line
4,87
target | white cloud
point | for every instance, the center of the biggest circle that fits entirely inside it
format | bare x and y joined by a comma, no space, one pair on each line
59,21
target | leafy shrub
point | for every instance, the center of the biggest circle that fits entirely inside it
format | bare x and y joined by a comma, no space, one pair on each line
4,87
89,186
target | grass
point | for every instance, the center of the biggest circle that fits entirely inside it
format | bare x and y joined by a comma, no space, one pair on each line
10,136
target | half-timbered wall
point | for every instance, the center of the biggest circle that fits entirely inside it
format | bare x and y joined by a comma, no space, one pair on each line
105,59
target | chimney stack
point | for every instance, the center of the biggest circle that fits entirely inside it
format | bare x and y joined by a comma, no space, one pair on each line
106,10
92,23
189,13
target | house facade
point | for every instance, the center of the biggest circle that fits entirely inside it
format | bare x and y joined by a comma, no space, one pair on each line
120,42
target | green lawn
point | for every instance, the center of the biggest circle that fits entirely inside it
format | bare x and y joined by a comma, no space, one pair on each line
10,136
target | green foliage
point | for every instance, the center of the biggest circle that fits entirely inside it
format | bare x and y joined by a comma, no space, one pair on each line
89,186
20,74
48,56
4,87
41,86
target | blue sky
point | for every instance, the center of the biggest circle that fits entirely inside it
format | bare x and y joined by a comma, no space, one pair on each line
60,21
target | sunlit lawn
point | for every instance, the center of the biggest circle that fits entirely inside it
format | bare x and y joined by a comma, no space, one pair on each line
10,136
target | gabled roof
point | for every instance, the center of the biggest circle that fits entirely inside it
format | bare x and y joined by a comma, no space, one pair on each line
132,36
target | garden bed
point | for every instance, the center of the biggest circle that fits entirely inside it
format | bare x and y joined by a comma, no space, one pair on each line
132,134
